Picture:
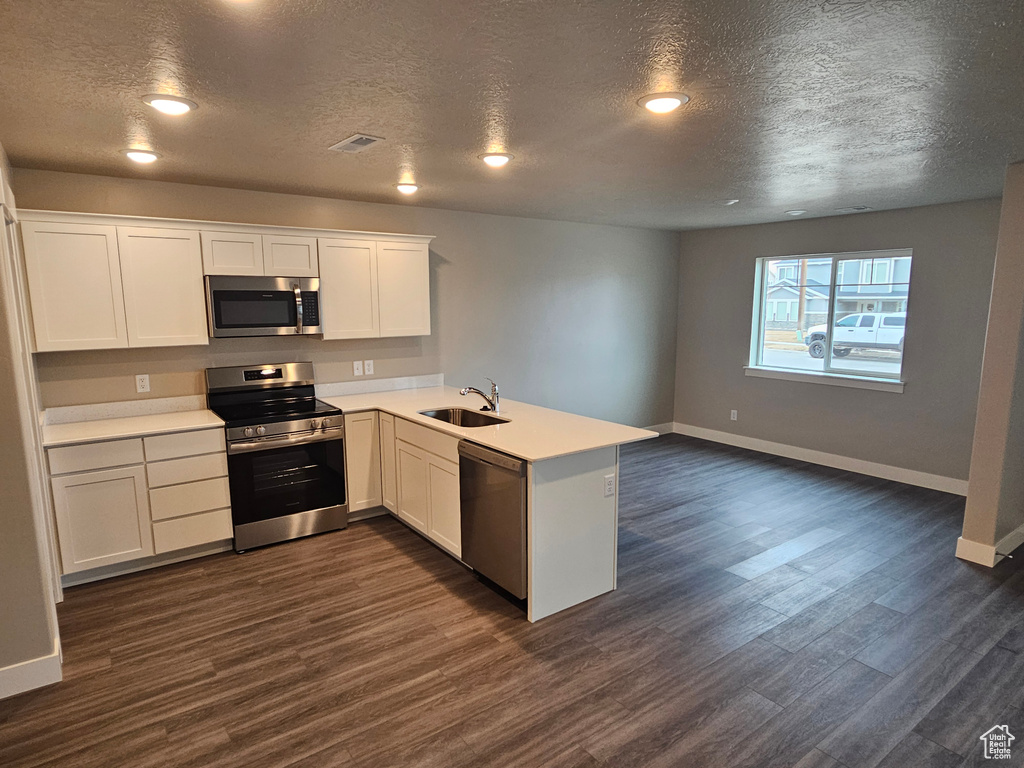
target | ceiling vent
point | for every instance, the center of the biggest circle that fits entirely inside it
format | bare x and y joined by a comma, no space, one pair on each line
853,209
356,143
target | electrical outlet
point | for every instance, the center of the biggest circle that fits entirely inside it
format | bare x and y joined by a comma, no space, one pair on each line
368,367
733,415
609,485
357,367
142,383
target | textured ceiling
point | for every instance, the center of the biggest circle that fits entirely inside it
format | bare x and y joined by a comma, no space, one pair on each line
811,105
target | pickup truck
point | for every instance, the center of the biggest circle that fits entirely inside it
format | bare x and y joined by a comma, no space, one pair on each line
866,330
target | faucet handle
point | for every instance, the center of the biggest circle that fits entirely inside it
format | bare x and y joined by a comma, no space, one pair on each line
494,386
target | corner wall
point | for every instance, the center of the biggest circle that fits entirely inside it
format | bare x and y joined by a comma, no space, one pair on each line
928,428
577,317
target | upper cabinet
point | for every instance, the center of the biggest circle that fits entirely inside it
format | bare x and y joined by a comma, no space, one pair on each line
103,282
232,253
286,256
164,296
374,288
74,278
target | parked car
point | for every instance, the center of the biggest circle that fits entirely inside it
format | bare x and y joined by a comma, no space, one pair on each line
866,330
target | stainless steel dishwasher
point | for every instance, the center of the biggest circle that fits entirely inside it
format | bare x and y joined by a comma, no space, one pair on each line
493,496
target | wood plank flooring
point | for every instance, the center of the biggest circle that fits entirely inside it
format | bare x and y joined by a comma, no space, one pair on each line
769,614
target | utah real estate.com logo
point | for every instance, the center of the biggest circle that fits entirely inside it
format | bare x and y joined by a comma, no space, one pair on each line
997,742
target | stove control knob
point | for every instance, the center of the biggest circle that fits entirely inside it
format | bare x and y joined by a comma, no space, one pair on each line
248,432
326,423
261,430
314,424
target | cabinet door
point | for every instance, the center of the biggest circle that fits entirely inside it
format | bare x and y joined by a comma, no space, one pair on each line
444,507
285,256
74,280
412,486
102,518
232,253
164,296
362,460
403,280
348,288
389,474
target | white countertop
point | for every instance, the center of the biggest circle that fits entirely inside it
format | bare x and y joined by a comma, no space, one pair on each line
128,426
532,433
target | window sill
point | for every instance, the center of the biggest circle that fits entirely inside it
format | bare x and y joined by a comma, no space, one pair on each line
831,379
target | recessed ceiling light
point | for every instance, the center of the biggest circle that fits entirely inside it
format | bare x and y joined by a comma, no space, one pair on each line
853,209
496,159
727,202
407,189
796,212
143,156
169,105
660,103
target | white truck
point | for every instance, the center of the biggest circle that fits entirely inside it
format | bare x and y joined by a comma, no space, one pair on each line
865,330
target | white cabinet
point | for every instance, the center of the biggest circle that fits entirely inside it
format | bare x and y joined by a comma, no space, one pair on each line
173,494
232,253
444,505
428,484
388,469
74,279
372,288
164,296
362,460
102,517
286,256
348,288
403,288
412,486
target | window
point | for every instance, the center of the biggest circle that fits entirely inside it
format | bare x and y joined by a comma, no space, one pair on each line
838,315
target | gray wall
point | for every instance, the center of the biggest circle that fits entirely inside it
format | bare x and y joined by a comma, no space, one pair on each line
572,316
929,427
23,595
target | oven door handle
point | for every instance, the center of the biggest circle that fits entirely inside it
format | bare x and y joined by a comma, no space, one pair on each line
269,443
298,307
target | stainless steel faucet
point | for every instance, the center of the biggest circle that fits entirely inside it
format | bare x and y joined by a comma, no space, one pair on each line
493,402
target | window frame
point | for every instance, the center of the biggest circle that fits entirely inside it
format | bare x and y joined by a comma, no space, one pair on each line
829,374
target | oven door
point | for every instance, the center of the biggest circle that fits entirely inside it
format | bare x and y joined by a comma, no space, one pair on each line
286,487
262,306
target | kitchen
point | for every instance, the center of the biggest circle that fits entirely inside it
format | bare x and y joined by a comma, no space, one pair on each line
568,274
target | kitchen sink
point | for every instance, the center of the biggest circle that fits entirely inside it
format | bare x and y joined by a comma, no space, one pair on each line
463,417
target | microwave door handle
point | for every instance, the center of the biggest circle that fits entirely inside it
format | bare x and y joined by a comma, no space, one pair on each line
298,307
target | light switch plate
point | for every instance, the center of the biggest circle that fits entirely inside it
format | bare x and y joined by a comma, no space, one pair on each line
368,367
732,415
609,485
357,367
142,383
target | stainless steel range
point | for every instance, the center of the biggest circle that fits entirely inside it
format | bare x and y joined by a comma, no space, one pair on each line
286,455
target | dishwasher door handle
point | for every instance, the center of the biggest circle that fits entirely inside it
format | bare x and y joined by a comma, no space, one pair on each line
476,452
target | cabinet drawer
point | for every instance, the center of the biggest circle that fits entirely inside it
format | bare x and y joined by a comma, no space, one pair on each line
169,535
438,443
188,470
180,444
187,499
80,458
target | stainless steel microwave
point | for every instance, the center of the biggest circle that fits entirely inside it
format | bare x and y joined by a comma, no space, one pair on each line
262,306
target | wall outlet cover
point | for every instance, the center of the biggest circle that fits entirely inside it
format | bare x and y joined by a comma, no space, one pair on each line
368,367
142,383
357,368
609,485
733,415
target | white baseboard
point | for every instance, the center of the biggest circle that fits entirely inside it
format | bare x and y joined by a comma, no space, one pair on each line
663,429
1010,541
31,674
975,552
874,469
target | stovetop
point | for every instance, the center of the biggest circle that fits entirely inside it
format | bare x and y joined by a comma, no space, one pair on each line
269,412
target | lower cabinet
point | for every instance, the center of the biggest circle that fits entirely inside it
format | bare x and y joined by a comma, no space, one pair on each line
362,460
428,491
122,500
388,467
102,517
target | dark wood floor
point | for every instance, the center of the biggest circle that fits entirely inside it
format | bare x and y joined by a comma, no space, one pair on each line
769,613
